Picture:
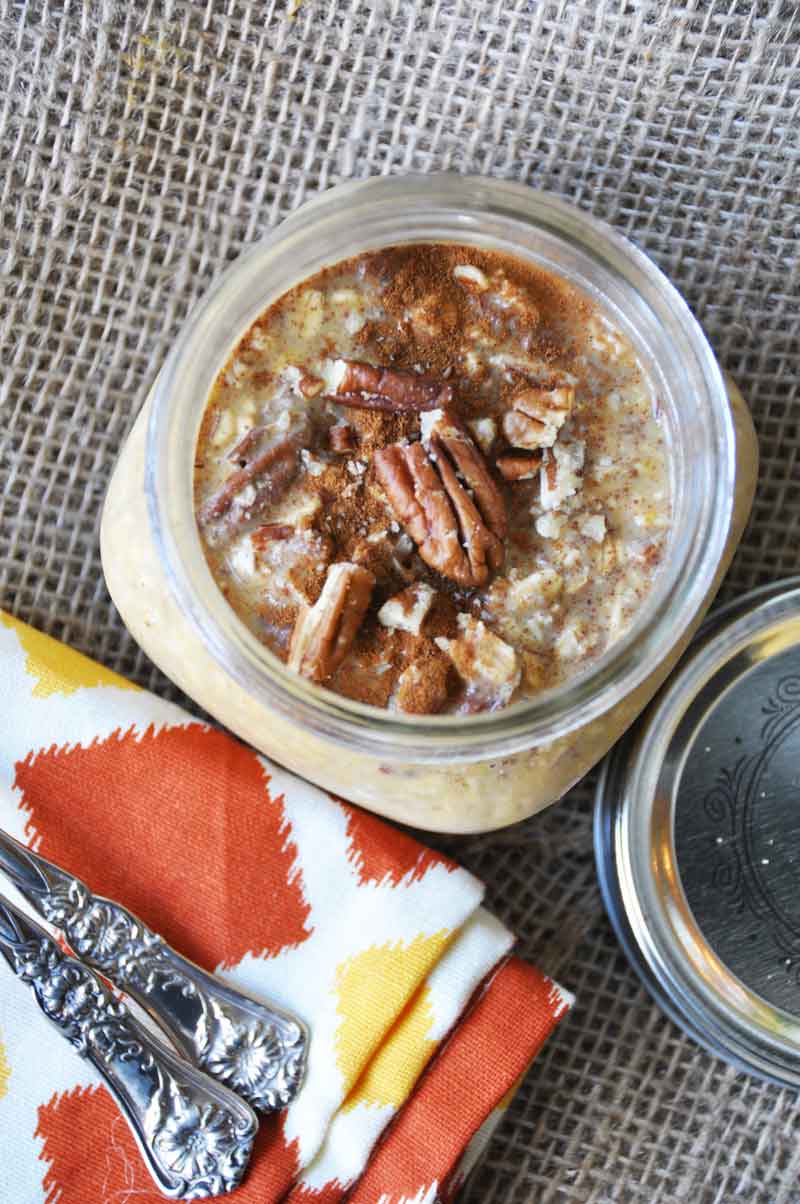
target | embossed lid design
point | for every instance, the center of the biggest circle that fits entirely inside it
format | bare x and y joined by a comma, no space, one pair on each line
697,837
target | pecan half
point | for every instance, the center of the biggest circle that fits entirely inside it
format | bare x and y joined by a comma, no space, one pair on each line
356,383
536,416
518,465
443,431
324,632
270,471
447,501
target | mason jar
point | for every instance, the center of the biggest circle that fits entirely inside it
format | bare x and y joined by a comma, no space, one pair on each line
449,773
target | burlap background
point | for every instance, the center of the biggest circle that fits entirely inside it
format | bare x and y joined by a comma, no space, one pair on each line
145,144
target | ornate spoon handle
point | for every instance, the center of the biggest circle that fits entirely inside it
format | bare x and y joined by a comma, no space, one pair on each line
194,1134
258,1051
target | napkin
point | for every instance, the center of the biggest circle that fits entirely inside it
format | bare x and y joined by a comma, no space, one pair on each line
421,1021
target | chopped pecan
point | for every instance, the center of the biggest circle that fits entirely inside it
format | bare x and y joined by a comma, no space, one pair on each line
356,383
342,438
270,532
560,477
269,473
518,465
537,416
423,687
309,385
522,431
324,632
458,533
294,566
486,664
484,432
408,609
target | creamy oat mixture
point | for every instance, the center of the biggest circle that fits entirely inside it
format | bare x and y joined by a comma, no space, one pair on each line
434,479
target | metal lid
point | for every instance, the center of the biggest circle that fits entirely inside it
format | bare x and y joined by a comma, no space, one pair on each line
697,837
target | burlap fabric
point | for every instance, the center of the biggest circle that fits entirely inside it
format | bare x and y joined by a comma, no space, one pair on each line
145,144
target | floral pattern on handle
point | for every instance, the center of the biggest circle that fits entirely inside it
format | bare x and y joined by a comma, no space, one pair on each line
196,1137
257,1051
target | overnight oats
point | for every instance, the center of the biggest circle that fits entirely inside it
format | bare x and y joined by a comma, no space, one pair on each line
434,479
430,494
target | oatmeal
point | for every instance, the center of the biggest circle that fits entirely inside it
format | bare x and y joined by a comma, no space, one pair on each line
434,479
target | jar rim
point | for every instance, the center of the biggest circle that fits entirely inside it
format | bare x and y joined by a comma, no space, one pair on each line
385,211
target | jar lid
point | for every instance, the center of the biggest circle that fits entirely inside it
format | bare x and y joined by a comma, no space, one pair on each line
697,837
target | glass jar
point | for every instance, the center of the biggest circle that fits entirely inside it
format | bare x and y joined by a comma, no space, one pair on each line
454,773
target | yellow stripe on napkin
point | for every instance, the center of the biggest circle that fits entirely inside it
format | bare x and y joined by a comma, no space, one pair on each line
59,669
394,1070
385,975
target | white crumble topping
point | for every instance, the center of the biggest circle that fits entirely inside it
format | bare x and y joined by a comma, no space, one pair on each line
311,464
574,642
545,586
241,557
347,298
602,467
484,432
354,322
594,528
564,462
333,373
290,376
428,421
549,525
472,363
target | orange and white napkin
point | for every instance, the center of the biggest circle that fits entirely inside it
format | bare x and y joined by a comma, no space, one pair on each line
421,1022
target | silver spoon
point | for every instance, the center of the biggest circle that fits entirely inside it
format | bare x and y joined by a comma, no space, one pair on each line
258,1051
195,1135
